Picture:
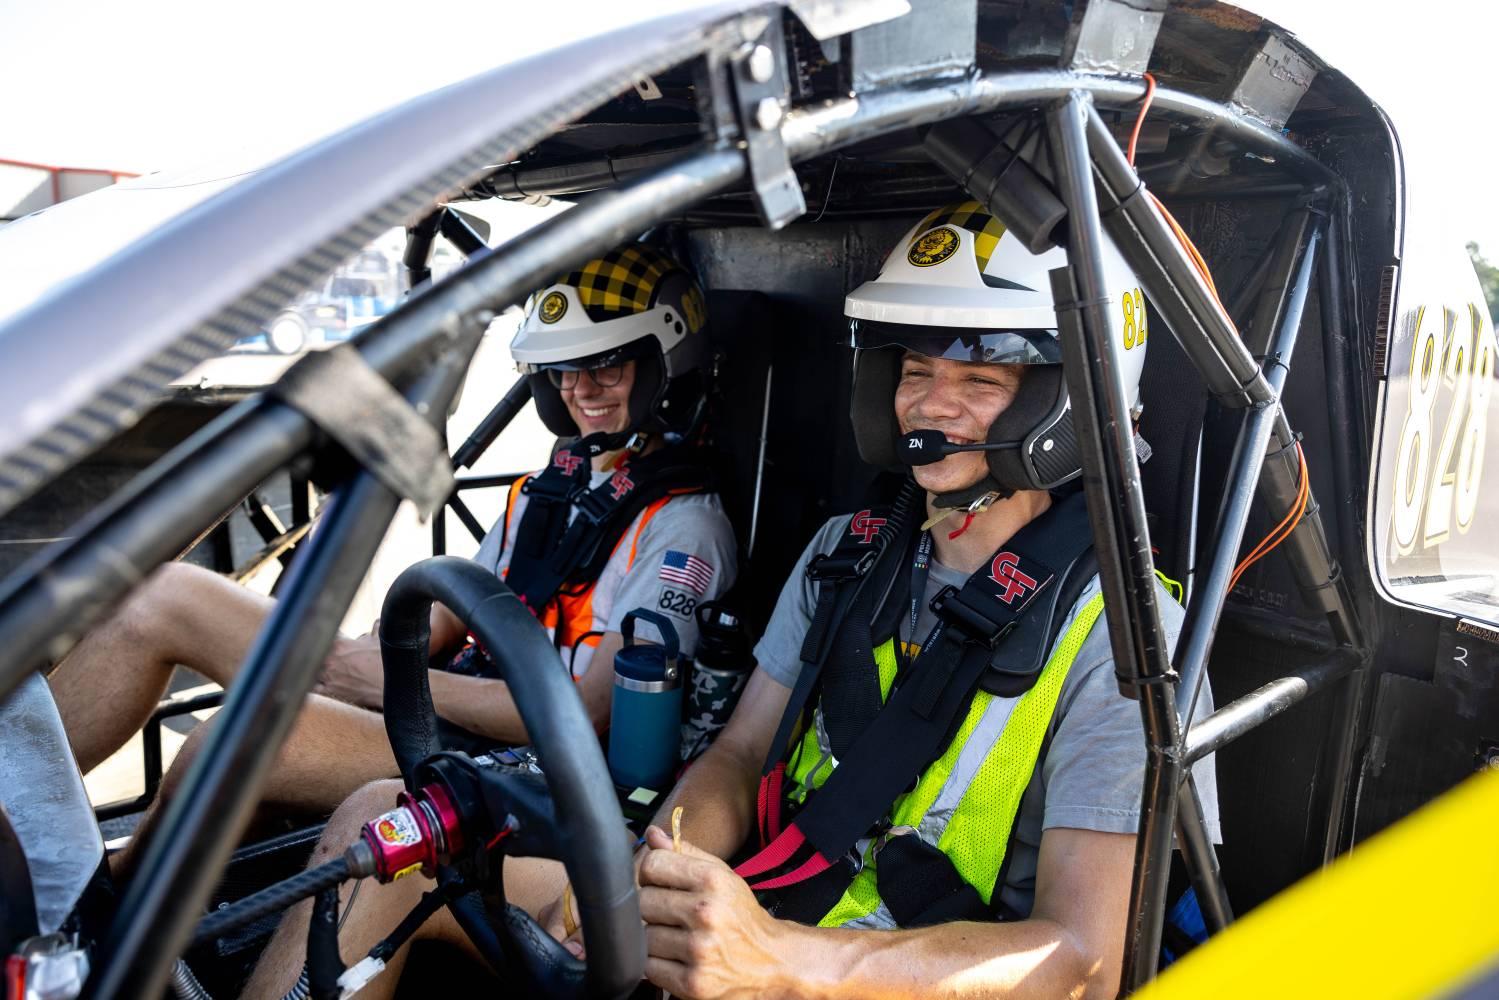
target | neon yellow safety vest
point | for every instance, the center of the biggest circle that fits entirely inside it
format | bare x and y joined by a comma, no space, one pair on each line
965,802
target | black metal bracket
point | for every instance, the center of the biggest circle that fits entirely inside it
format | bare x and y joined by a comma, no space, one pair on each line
372,422
761,96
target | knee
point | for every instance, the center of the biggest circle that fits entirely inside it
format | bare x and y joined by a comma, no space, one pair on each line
155,608
349,818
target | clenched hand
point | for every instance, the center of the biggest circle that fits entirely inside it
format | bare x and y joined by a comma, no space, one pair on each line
706,935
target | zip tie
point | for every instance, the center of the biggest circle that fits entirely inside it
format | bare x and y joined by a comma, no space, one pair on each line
357,976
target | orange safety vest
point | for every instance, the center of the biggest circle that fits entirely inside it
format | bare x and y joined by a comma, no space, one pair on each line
570,616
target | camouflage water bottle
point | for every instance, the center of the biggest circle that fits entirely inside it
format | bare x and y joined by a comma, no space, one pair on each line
724,659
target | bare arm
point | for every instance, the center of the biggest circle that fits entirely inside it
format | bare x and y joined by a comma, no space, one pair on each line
718,792
707,937
353,672
485,706
447,630
1072,944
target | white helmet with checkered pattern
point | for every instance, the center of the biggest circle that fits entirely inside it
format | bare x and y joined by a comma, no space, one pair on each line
636,303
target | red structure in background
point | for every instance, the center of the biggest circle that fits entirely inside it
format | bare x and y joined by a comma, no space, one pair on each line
56,177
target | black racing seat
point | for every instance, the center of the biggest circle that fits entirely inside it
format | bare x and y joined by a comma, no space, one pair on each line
787,459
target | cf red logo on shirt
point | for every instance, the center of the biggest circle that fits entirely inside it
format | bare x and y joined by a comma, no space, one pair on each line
567,461
865,527
1003,571
622,483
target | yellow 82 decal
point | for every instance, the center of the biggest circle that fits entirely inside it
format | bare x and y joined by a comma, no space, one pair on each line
1437,476
1133,304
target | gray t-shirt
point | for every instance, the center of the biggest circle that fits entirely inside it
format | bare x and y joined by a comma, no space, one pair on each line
684,555
1093,771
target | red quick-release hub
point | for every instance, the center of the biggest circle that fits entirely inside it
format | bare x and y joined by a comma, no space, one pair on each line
415,835
15,977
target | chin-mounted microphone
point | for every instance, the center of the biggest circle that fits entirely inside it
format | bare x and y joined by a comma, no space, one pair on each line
926,447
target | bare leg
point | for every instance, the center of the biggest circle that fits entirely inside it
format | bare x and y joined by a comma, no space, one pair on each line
333,749
530,883
110,683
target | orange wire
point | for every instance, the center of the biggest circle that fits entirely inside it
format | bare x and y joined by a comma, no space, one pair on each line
1134,135
1181,234
1283,530
1287,524
1192,252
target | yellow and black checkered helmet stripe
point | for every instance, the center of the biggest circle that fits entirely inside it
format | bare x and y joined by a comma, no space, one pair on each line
975,218
621,283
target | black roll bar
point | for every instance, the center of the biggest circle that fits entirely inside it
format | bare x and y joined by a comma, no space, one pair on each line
1116,506
1200,857
1240,716
1248,459
506,410
1084,153
417,258
1282,306
201,823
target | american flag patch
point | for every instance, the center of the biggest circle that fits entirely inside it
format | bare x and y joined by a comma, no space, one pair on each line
686,570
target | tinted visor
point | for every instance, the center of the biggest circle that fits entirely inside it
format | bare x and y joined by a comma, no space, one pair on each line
993,347
632,351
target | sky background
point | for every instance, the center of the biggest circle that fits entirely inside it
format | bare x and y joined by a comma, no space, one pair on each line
158,84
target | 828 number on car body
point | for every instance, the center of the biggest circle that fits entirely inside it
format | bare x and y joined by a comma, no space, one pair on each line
1438,469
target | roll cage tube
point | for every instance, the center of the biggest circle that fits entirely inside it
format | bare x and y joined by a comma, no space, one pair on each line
589,822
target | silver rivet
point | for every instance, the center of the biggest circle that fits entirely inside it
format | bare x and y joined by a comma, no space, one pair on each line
1048,444
768,113
762,64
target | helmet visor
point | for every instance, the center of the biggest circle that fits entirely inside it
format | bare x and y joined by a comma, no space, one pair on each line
611,358
994,347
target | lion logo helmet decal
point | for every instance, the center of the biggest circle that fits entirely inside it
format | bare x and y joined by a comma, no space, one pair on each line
553,307
934,246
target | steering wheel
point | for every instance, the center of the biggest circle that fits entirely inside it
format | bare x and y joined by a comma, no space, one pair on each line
585,821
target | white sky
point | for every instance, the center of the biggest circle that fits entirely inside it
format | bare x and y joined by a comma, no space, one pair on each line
167,83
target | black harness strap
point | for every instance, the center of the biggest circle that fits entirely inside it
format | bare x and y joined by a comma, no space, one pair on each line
845,678
554,549
915,724
841,576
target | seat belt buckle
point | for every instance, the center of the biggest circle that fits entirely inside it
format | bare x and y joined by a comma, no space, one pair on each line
542,490
592,507
838,568
973,622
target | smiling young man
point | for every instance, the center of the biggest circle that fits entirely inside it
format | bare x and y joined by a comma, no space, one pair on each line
616,356
931,784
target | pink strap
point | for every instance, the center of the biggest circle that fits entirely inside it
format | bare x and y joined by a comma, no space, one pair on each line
773,803
815,865
761,811
777,853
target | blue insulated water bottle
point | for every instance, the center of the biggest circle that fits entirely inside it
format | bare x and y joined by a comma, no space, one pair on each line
646,713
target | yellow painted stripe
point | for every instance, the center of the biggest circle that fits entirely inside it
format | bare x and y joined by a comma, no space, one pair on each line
1411,912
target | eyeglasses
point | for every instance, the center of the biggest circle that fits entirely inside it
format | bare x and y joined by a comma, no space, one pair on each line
604,377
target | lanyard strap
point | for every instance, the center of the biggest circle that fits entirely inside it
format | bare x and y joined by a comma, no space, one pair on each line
921,567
